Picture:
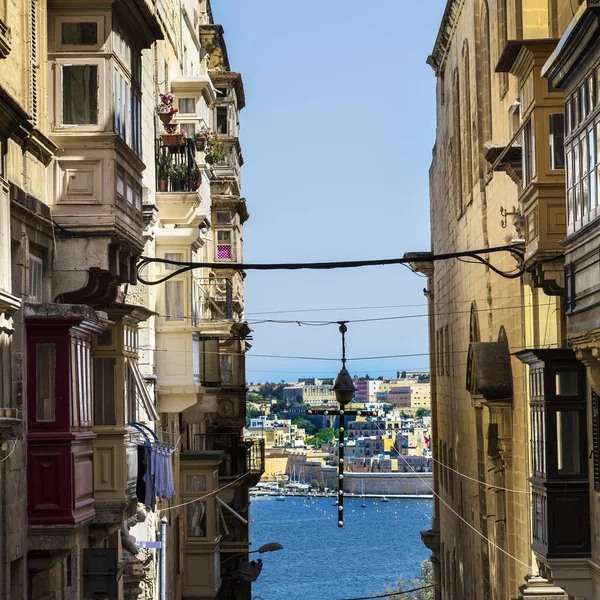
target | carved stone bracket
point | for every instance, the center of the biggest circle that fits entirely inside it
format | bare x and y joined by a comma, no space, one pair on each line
549,275
587,350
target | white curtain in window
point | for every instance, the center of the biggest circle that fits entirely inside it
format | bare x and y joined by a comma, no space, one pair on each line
80,95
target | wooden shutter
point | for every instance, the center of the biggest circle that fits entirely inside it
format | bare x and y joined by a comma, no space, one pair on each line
595,439
210,368
33,63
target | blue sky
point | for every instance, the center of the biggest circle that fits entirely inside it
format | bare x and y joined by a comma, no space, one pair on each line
336,136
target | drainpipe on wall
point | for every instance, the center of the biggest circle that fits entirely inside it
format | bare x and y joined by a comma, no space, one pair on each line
163,559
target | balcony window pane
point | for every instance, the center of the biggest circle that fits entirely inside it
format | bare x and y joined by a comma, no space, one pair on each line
224,250
80,94
189,129
105,391
585,193
583,106
567,442
174,300
176,256
567,383
222,120
591,83
196,519
225,363
592,168
35,278
576,180
195,483
187,106
557,141
79,34
45,368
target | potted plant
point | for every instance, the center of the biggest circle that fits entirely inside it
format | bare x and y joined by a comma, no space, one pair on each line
195,178
164,168
172,137
178,177
216,151
202,138
165,109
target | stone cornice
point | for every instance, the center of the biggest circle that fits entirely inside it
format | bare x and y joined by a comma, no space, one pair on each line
8,303
437,59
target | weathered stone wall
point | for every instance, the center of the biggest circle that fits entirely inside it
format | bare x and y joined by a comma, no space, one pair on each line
473,564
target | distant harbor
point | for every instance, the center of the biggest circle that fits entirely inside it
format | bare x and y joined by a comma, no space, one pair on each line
357,485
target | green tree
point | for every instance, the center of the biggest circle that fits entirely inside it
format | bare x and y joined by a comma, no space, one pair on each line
278,407
424,581
252,413
423,412
305,424
314,484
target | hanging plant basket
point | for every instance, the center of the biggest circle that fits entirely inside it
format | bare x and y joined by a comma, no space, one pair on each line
165,117
200,144
172,139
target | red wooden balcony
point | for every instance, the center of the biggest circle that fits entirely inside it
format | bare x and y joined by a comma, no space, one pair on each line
59,455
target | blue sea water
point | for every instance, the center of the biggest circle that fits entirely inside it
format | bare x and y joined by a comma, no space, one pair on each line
320,561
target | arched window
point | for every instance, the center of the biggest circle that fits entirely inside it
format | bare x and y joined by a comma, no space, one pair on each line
467,129
484,76
502,37
456,100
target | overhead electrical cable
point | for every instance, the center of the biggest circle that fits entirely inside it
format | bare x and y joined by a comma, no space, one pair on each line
515,251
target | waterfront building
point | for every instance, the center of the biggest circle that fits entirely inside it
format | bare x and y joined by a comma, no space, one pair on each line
497,177
89,183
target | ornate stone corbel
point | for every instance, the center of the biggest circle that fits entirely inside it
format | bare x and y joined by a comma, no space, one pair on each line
590,357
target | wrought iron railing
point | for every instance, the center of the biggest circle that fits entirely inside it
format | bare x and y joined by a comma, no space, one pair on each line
215,298
239,456
176,167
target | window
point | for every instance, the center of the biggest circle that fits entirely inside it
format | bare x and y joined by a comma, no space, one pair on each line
45,368
196,519
189,128
79,34
567,383
105,391
36,269
596,439
557,141
567,442
80,94
528,153
187,106
226,366
224,245
207,368
127,92
81,393
174,300
176,256
222,127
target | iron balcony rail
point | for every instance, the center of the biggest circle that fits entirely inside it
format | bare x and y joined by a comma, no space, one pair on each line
240,456
176,168
215,298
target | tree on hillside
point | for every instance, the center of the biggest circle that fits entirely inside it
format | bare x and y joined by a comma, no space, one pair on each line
272,390
252,413
278,408
424,581
305,424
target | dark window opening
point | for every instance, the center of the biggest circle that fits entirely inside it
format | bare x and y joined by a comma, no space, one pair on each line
80,34
80,95
222,120
557,141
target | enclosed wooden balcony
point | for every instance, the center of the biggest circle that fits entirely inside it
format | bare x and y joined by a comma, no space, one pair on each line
539,139
198,472
559,453
60,436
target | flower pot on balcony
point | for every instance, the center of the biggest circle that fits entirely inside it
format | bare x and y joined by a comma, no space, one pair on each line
200,144
171,139
165,117
162,185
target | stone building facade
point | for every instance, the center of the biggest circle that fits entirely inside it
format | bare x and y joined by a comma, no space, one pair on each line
497,179
95,366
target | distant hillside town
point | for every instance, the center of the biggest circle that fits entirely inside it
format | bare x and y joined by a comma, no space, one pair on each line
391,437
